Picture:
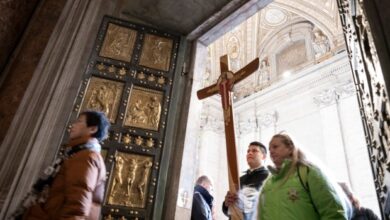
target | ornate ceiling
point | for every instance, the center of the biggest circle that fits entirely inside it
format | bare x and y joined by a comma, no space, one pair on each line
286,36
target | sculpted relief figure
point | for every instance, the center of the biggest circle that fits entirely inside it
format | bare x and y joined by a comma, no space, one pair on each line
132,171
154,110
158,52
121,41
138,114
100,99
118,172
264,73
118,180
144,179
320,43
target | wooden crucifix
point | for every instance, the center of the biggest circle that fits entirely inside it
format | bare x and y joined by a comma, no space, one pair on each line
224,86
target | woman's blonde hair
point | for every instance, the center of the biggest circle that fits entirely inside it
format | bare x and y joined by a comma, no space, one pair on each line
298,158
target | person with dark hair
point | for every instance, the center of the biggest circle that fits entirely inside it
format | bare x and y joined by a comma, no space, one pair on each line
359,212
250,182
202,202
73,187
298,189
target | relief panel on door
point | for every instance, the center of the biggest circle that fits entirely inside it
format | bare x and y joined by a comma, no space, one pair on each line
129,77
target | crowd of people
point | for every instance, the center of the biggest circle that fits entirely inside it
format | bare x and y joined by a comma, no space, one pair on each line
293,188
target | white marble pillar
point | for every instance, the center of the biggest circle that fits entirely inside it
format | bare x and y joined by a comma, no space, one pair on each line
194,134
212,161
332,135
247,134
356,149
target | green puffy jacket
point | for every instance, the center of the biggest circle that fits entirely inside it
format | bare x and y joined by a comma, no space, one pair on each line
290,201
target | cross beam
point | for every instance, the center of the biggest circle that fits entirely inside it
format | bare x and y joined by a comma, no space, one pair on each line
224,86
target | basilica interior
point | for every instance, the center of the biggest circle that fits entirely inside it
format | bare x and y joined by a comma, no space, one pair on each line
303,87
321,79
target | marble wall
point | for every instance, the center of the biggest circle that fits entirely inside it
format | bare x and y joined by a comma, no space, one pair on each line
14,17
22,47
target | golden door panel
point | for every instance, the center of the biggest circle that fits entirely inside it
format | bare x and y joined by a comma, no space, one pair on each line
118,43
103,95
129,77
129,180
144,108
156,52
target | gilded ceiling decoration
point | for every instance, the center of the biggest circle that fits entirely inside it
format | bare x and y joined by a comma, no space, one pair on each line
310,27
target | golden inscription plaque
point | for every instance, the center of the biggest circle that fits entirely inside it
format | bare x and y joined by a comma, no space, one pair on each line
103,95
129,180
118,43
144,108
156,52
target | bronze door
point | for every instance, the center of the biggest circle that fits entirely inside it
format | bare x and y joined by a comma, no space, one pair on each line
129,77
371,93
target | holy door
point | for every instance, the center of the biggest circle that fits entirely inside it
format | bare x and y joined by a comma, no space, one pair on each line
371,91
130,77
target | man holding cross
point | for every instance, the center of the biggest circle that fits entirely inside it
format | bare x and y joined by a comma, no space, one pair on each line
250,182
224,87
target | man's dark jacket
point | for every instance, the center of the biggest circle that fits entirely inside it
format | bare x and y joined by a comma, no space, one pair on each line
202,204
254,179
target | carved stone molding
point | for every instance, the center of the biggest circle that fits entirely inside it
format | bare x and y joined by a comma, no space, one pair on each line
329,96
267,119
325,98
247,126
210,123
346,90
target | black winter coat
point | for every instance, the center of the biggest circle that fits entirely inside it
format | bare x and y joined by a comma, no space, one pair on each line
252,179
202,204
364,214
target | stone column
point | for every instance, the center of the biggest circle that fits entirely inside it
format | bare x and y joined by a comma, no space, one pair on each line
333,136
212,143
193,137
34,138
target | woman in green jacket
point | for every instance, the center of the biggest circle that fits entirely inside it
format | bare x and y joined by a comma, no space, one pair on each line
297,190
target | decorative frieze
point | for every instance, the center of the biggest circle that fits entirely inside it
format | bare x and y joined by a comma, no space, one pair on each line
330,96
267,119
325,98
208,122
247,126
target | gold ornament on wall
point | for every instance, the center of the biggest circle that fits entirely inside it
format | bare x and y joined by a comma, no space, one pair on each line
100,67
129,182
156,52
109,217
103,95
161,80
139,141
122,71
118,43
150,142
126,139
144,108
